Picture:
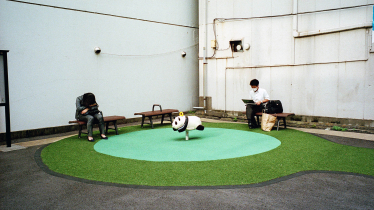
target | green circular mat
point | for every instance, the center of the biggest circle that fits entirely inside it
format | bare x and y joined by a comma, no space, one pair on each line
168,145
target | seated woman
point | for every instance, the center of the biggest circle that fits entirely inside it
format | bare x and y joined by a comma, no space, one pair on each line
87,110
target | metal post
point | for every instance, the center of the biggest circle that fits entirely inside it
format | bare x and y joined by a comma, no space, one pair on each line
6,88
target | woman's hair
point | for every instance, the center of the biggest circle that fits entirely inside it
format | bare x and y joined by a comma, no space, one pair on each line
88,99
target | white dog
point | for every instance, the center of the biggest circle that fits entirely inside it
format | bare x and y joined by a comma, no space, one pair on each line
183,123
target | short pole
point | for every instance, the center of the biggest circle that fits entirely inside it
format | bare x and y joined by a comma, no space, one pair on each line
187,137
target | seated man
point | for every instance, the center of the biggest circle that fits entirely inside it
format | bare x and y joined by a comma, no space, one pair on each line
259,96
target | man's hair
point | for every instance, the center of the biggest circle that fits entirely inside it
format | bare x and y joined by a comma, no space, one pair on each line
254,82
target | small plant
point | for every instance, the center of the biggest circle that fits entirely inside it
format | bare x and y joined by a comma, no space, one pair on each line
235,119
191,112
314,126
337,128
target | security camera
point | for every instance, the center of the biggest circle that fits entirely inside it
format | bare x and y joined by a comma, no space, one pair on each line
183,54
97,50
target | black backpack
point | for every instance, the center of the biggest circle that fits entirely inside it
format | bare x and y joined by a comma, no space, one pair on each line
273,106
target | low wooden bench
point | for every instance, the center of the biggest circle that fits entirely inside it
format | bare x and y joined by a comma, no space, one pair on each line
107,120
152,113
279,116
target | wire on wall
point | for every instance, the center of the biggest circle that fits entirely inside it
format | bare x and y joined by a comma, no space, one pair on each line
157,54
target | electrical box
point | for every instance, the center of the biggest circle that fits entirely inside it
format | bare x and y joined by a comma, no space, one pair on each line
213,44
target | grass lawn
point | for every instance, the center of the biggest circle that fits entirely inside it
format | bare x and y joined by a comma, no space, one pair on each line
298,151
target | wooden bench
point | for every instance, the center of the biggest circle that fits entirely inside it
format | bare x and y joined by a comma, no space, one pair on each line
279,116
107,120
152,113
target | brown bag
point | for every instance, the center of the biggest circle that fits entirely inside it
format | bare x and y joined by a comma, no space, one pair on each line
267,122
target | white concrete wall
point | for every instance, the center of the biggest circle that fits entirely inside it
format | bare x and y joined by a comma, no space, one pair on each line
325,70
52,61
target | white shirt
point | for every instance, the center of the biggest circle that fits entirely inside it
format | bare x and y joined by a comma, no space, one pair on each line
259,95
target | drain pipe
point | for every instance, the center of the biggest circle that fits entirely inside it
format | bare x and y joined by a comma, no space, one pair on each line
205,62
202,72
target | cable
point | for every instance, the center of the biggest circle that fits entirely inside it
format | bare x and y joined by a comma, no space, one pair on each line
150,54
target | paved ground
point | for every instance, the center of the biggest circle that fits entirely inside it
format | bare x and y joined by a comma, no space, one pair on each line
24,185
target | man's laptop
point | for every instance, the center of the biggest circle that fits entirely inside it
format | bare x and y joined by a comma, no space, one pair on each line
248,101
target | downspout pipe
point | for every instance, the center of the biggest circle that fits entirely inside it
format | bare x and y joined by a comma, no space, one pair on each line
205,62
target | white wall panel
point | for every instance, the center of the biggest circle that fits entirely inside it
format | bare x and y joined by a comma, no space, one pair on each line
263,75
225,9
231,81
349,3
211,78
369,88
261,8
261,41
326,90
351,90
242,8
220,85
237,83
281,41
281,7
352,45
369,13
305,50
333,19
353,17
212,10
327,48
327,20
306,5
330,4
303,95
306,22
281,88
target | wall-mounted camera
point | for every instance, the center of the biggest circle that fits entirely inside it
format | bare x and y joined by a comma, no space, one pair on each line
97,50
183,54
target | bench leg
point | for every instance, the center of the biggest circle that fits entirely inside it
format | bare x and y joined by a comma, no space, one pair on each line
80,131
143,120
115,126
162,119
284,122
150,120
106,128
258,121
278,124
170,118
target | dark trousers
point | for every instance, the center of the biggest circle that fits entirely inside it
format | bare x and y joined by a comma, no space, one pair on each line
90,119
251,110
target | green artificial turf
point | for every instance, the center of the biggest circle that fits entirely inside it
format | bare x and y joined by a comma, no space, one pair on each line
298,151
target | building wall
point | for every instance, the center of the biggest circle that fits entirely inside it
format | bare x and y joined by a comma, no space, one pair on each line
318,62
52,61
